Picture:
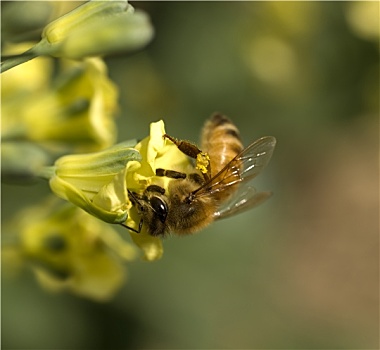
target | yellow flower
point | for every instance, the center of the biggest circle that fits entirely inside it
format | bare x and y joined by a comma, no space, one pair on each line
156,152
99,182
70,250
76,110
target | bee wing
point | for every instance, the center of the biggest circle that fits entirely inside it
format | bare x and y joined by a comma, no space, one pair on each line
244,167
244,200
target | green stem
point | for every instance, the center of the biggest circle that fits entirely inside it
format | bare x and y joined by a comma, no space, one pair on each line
14,61
42,48
47,172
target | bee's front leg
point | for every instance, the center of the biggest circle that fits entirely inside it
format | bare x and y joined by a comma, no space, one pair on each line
133,229
135,199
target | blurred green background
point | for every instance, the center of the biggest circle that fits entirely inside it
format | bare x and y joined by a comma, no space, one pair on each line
300,271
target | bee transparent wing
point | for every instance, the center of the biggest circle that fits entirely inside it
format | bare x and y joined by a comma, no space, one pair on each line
244,200
241,169
256,157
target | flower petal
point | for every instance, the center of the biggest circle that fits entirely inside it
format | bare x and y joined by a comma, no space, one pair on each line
151,246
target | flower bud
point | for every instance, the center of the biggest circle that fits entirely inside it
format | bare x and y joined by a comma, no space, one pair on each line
90,11
86,180
96,28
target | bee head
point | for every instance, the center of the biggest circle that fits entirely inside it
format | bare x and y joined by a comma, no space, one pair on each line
153,208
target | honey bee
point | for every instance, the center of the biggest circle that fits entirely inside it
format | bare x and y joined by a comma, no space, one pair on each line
219,190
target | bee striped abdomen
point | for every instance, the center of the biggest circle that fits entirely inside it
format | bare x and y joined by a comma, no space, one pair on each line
221,140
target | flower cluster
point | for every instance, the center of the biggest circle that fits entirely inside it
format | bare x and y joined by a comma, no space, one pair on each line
74,109
96,28
58,123
68,249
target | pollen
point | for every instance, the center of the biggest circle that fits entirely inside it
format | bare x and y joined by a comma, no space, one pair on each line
203,162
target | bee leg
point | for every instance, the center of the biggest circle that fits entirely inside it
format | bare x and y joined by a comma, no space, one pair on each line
185,147
133,229
170,173
155,188
192,151
135,199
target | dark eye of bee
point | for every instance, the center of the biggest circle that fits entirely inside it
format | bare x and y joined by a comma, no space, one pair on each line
160,208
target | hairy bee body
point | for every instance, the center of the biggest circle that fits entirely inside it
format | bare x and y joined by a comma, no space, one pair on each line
192,201
183,217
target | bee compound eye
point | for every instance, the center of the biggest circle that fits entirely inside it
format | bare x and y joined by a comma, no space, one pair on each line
160,207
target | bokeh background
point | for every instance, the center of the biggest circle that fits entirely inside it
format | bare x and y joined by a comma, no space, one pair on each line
300,271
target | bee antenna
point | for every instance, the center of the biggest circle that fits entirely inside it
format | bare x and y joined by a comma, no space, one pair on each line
130,193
